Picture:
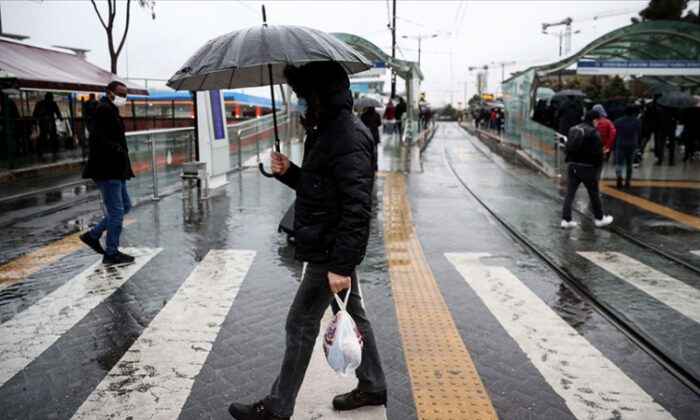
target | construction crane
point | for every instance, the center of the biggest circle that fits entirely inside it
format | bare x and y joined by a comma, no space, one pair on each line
568,21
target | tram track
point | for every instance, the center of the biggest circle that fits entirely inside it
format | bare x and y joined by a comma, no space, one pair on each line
607,311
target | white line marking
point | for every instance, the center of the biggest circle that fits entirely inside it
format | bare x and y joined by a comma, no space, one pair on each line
696,253
674,293
590,384
155,376
35,329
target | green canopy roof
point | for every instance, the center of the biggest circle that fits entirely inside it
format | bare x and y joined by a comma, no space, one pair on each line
402,68
653,40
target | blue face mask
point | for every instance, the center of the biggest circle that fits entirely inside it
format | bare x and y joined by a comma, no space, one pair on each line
303,107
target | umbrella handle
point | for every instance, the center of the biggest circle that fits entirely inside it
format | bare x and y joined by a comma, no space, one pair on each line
264,172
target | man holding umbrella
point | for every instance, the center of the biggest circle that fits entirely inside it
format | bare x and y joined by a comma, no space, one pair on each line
332,217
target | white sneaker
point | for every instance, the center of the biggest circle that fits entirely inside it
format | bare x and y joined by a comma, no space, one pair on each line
606,220
568,225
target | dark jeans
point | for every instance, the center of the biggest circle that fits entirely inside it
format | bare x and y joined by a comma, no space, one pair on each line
660,145
118,203
624,155
302,328
587,175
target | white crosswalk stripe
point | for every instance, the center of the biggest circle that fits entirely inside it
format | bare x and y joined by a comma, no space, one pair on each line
696,253
29,333
674,293
154,377
590,384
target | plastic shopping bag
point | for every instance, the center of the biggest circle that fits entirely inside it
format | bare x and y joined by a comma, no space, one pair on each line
342,341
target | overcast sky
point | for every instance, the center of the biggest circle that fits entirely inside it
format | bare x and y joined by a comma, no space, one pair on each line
470,33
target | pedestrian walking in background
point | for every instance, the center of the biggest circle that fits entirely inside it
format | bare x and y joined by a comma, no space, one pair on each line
109,166
46,111
629,133
400,110
569,114
607,131
389,126
331,227
663,127
691,132
88,112
372,120
584,153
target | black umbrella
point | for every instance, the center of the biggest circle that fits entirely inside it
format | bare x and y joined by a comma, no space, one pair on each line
661,88
570,92
367,102
257,56
677,100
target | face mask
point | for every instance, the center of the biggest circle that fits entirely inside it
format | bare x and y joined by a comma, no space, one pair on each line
303,107
119,101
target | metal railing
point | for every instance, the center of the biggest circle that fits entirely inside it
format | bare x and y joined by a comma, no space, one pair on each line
161,153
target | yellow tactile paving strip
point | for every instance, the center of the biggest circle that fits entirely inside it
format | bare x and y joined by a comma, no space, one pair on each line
27,264
444,381
660,184
664,211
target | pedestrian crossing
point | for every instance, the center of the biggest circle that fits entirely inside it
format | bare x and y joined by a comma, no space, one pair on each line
32,331
155,376
571,365
674,293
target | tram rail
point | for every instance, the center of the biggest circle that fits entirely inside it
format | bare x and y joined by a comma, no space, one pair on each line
606,310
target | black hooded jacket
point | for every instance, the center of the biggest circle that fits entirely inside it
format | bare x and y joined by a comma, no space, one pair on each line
109,155
334,184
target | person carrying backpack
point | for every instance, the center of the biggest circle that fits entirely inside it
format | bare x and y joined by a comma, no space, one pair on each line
584,153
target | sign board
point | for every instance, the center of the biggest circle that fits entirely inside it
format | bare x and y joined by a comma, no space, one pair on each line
640,68
212,136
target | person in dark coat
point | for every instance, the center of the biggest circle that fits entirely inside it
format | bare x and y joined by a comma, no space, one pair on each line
372,120
583,169
109,166
568,115
629,134
331,229
691,132
46,111
663,127
399,111
88,111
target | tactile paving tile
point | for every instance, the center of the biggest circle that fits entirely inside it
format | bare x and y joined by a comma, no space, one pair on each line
444,380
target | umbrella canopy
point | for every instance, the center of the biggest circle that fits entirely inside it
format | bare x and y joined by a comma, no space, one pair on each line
677,100
662,88
570,92
544,93
367,102
241,58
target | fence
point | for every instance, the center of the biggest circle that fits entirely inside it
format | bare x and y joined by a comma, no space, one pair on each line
157,155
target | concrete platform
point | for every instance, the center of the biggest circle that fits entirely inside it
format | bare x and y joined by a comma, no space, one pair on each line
198,321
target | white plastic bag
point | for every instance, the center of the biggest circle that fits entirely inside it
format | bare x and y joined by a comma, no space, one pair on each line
342,341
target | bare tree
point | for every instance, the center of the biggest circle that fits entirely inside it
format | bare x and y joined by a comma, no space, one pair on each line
109,26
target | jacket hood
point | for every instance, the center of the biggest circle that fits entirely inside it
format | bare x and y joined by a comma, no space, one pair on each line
600,110
329,81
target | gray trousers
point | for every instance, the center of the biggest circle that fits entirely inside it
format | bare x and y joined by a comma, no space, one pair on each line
302,328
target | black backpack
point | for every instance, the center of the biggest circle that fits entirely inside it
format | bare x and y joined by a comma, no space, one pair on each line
575,139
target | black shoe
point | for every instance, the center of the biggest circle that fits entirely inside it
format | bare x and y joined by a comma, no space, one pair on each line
92,243
619,182
627,184
118,258
357,398
255,411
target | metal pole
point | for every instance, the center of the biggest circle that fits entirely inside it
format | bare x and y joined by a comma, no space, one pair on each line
393,51
418,50
154,175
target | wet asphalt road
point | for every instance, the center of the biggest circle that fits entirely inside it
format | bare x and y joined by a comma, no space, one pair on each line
247,351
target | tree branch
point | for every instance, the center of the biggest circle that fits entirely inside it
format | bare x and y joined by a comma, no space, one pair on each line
112,12
98,14
126,27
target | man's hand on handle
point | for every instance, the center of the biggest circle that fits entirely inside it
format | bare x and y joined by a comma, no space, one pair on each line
279,163
337,282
